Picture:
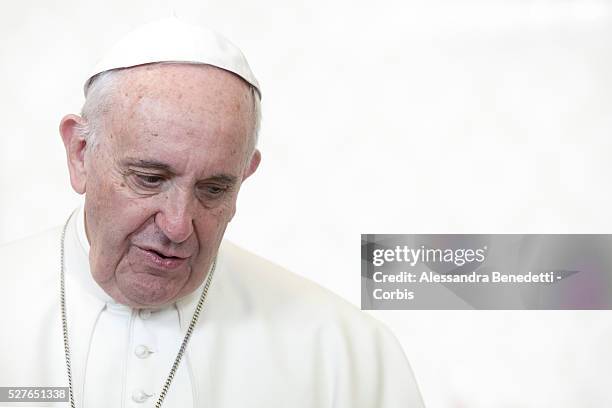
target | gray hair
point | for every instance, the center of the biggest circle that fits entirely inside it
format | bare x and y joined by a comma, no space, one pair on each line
99,100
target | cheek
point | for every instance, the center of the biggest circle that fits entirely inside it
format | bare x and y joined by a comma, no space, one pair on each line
211,224
103,187
110,208
115,216
225,212
210,221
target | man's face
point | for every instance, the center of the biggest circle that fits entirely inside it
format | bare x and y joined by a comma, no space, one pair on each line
161,185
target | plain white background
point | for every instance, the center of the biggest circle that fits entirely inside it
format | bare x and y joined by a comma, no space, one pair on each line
389,117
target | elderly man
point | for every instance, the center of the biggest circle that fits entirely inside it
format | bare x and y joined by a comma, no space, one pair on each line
137,300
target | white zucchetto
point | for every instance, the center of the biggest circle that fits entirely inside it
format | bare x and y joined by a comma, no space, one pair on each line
171,40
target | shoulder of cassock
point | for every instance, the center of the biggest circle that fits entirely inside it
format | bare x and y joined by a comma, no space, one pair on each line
254,309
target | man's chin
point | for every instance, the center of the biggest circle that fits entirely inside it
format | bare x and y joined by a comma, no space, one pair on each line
148,290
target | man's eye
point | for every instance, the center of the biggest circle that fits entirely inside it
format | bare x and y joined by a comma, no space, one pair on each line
147,180
213,191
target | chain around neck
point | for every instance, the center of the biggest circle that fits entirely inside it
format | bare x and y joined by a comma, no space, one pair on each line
179,355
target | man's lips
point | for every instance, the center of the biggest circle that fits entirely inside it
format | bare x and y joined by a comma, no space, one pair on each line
159,258
163,252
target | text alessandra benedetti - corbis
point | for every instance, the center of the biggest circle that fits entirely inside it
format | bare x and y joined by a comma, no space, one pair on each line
472,277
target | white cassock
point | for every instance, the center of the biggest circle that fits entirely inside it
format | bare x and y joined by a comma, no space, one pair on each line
266,337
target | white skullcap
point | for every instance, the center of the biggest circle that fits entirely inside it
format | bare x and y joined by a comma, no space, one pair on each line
171,40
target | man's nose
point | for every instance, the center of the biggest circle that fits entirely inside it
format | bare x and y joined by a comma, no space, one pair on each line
175,217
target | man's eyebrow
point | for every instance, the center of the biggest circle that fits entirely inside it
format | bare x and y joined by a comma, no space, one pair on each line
223,179
157,165
148,164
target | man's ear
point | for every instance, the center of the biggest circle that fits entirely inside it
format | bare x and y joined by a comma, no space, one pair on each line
75,146
252,165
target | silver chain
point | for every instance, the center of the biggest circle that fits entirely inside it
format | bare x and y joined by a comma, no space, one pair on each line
179,356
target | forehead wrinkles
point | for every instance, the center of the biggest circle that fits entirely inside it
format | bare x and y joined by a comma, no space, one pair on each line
190,93
192,115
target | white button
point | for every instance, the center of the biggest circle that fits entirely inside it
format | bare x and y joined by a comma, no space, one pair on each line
144,314
139,396
142,351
